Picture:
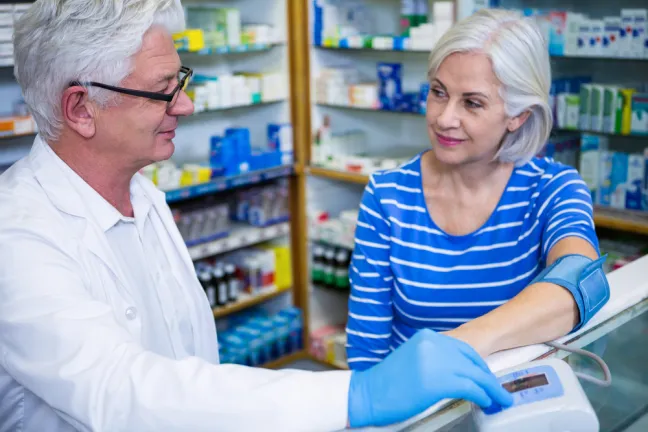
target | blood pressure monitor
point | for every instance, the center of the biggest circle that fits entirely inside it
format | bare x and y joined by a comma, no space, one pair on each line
547,397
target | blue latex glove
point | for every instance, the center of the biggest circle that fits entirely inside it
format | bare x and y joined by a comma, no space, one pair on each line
421,372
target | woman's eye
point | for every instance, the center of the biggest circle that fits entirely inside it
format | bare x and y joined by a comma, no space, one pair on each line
437,92
473,104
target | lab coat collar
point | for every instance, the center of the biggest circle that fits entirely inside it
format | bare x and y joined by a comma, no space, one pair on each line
50,172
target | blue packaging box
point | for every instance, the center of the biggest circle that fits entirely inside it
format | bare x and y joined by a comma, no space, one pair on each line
636,175
280,137
618,180
390,85
423,95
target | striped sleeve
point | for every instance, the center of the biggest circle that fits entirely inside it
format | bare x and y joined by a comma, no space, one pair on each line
568,212
369,325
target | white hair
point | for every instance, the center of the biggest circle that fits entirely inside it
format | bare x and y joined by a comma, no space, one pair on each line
520,59
57,42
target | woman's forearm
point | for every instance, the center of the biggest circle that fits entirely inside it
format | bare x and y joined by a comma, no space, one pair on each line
540,313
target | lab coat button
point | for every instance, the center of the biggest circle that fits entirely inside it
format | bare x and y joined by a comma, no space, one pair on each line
131,313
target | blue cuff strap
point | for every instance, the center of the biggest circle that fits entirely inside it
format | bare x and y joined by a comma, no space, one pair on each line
584,278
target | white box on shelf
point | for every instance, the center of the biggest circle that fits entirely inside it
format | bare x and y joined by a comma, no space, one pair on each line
640,17
6,61
6,34
443,11
6,19
584,35
6,49
610,47
625,35
634,188
597,32
21,7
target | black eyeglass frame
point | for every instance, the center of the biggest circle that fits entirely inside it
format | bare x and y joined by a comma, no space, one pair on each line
164,97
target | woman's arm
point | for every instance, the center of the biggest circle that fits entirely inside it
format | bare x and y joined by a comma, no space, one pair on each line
542,311
369,324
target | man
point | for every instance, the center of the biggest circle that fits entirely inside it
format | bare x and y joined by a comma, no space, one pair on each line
103,325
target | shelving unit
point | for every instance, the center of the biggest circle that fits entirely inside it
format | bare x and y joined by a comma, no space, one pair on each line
248,301
227,183
239,238
287,360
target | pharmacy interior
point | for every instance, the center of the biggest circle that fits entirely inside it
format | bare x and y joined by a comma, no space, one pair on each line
297,102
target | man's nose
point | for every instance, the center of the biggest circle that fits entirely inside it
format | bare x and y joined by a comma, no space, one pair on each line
182,107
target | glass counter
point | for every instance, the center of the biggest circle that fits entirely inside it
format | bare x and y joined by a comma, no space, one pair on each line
622,341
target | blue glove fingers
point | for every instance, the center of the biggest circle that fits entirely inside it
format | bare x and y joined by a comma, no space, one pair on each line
468,390
469,352
489,383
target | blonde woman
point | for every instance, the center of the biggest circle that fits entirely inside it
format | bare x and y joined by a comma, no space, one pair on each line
477,237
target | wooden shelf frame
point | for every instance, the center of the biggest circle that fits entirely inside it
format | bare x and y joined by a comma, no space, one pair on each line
224,311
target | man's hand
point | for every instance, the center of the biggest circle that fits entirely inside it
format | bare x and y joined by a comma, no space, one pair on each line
421,372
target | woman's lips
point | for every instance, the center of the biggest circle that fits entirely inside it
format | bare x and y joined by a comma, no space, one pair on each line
448,141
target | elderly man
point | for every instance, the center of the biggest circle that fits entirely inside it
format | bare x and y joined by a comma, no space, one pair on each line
103,324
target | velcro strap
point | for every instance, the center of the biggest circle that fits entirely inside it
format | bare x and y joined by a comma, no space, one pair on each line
584,278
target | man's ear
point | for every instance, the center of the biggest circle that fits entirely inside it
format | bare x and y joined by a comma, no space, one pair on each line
78,112
516,122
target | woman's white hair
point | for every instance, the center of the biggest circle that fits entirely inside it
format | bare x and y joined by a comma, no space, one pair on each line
520,59
60,41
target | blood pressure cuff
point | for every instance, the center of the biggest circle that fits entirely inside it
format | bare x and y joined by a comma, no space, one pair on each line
584,278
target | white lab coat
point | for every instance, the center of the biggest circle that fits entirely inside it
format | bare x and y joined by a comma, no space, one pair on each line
70,357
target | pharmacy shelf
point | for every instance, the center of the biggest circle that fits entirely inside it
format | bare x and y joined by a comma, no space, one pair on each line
562,130
247,301
12,136
286,360
427,51
239,49
226,183
591,132
619,220
240,237
348,177
359,108
238,107
331,364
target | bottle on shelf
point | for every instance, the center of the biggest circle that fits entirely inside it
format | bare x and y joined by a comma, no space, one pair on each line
218,280
205,279
342,263
329,267
317,274
232,283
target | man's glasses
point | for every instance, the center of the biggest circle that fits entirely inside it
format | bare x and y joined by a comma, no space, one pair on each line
184,77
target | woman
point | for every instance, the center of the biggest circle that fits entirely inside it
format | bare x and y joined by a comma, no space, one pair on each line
452,240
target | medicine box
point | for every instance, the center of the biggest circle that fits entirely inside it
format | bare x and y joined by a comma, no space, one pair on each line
610,45
6,49
592,147
625,34
639,122
390,85
6,34
624,112
645,182
618,180
604,183
280,137
597,32
610,101
596,107
230,20
634,188
585,122
639,32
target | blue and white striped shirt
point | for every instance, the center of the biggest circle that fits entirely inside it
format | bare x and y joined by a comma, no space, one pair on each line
407,274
